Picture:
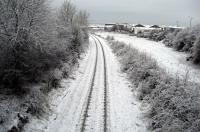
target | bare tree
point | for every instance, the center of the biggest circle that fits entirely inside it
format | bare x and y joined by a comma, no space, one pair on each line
23,17
24,32
66,14
82,18
32,40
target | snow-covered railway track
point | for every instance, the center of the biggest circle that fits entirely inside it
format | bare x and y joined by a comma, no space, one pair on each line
90,92
95,113
99,99
105,88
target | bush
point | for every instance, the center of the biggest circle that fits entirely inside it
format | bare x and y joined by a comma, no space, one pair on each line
110,38
181,40
24,45
153,35
169,38
174,103
156,35
33,42
184,40
197,51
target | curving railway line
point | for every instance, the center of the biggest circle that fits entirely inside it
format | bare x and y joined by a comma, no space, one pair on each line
99,73
99,99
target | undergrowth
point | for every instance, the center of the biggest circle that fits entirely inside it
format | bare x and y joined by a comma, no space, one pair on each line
175,103
184,40
38,48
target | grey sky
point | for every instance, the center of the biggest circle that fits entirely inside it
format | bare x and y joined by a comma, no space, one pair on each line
167,12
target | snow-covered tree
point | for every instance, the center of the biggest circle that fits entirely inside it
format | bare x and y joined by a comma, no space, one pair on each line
33,40
185,39
66,13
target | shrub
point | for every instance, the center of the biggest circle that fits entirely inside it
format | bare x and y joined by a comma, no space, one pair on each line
181,40
174,103
168,41
197,51
33,42
110,38
24,41
184,41
153,35
36,46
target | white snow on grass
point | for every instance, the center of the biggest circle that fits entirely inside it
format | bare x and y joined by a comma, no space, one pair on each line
172,61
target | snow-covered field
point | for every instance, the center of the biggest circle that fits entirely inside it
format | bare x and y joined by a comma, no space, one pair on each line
172,61
124,114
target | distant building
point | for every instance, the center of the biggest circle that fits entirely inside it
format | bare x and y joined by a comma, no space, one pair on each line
123,27
109,26
119,27
172,28
127,26
155,26
96,27
139,25
139,28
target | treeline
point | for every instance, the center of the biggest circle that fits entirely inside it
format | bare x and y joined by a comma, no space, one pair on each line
35,40
184,40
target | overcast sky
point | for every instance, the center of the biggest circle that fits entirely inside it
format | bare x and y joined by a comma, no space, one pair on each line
165,12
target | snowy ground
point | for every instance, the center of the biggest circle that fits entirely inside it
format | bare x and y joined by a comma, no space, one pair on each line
124,112
172,61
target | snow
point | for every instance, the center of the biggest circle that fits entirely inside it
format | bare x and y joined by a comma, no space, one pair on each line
125,113
172,61
95,120
96,26
66,103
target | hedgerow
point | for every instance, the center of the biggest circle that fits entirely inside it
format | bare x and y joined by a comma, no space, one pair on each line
175,103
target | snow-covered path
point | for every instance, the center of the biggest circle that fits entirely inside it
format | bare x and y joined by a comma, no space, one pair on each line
172,61
98,100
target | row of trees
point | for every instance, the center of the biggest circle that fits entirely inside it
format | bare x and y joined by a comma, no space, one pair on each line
34,39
